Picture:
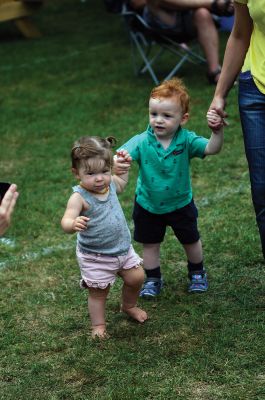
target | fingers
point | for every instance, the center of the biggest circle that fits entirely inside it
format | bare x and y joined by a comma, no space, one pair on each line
215,120
124,156
123,166
121,169
122,162
213,116
223,114
80,223
7,207
218,104
121,152
9,200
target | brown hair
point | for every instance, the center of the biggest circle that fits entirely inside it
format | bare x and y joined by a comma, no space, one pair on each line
173,88
92,147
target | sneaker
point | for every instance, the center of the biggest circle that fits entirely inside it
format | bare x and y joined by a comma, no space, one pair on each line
198,283
151,288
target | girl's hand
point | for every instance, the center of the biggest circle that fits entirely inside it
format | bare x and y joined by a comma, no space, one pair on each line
122,162
80,223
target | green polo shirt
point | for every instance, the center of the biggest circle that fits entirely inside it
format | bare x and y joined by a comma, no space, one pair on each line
164,183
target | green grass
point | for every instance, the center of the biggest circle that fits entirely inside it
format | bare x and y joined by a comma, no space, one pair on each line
77,80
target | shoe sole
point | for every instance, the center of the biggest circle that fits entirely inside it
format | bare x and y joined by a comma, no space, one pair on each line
148,296
198,291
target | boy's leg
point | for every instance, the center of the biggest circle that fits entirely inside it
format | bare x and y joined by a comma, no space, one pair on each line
96,308
153,283
196,271
194,252
184,224
149,229
133,279
151,257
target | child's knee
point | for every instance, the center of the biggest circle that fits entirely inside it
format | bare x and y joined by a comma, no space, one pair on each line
134,277
140,273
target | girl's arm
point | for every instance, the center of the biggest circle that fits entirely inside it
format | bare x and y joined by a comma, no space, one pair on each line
72,221
234,57
217,137
122,163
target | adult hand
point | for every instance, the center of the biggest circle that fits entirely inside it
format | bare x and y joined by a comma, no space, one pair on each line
7,207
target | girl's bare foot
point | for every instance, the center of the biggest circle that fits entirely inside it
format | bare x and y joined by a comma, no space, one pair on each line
136,313
99,331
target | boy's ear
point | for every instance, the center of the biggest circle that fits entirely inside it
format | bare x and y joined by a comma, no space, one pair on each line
185,118
75,173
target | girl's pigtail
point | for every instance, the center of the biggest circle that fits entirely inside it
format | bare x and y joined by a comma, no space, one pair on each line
111,140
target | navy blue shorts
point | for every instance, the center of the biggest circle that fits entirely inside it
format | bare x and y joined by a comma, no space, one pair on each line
151,228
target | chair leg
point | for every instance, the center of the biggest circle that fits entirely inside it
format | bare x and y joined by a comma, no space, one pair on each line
178,49
27,28
177,67
148,66
152,60
147,48
149,51
135,54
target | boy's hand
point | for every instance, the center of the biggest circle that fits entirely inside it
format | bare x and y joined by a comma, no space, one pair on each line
80,223
122,162
215,121
124,155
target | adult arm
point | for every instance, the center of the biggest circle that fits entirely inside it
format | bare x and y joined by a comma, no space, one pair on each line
235,53
7,208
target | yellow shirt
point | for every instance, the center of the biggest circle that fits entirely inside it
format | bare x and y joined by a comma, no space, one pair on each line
255,58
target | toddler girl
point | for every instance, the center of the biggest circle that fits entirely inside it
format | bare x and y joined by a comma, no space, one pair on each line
104,247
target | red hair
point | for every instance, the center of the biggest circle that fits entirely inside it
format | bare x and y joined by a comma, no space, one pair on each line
172,88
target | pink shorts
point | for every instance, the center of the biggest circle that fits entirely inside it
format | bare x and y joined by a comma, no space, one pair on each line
99,270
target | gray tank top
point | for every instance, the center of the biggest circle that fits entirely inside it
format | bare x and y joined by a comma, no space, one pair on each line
107,232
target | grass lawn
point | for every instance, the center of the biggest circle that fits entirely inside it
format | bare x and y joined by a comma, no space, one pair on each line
77,80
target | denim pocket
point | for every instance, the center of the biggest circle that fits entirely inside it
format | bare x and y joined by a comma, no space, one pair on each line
243,76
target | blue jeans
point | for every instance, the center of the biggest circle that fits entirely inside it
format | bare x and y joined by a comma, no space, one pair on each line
252,114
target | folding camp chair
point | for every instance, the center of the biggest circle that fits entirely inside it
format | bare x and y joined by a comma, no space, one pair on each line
149,44
20,12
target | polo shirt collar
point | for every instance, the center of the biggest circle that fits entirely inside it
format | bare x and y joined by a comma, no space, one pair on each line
176,141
